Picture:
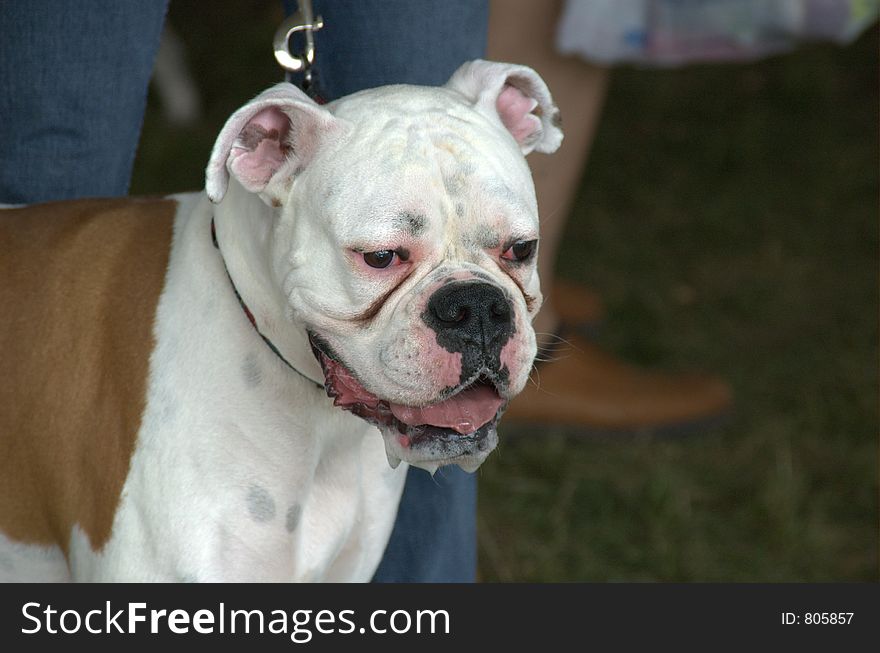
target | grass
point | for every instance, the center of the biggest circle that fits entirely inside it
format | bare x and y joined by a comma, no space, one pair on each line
728,216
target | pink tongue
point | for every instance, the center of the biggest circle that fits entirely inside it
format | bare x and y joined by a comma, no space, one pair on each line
465,412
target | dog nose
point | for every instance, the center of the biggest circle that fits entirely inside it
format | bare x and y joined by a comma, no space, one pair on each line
468,315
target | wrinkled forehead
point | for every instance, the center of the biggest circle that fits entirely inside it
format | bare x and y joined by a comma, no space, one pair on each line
417,151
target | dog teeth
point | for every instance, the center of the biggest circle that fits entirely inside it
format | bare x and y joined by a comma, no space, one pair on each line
393,460
431,468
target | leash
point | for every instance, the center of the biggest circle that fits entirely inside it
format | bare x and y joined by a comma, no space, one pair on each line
293,63
250,315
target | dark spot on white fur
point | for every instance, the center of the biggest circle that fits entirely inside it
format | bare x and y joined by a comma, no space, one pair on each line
291,520
484,237
454,184
413,223
252,135
260,504
251,370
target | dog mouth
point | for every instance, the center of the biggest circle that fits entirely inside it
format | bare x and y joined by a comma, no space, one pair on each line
461,428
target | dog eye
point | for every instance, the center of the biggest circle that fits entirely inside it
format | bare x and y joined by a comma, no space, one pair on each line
520,251
381,259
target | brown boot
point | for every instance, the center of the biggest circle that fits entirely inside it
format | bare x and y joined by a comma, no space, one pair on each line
586,388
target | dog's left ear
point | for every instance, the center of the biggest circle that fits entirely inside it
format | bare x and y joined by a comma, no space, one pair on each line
267,141
515,95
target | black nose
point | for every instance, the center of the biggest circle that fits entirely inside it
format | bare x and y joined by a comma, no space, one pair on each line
474,318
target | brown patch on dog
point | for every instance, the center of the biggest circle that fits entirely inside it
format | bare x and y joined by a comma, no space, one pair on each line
81,281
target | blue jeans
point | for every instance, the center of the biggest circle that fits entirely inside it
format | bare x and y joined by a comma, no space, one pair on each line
73,84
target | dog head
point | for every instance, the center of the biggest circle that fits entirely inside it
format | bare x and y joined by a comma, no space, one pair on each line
404,240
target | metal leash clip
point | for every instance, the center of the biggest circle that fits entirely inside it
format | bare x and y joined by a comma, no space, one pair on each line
304,21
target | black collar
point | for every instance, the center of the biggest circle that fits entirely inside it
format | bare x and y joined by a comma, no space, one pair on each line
247,311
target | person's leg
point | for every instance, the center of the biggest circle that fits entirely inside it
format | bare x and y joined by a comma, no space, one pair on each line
368,43
372,43
435,535
74,81
585,387
523,31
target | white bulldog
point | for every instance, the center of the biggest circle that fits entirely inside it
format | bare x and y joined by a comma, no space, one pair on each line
164,410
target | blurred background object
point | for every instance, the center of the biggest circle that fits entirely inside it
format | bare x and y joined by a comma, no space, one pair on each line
173,81
675,32
728,216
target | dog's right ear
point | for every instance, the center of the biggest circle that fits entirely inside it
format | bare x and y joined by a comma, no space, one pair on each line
267,141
